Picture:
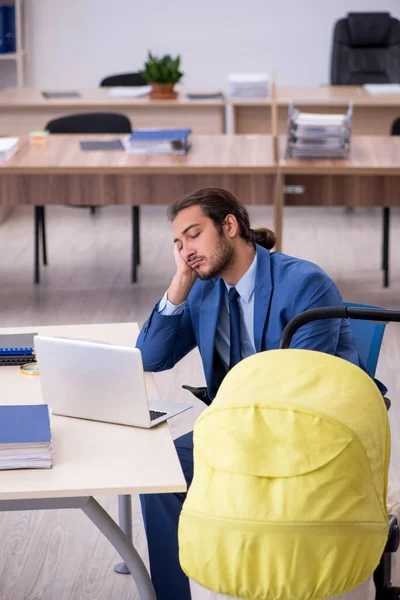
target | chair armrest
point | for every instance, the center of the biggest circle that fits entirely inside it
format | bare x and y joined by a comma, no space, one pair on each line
199,392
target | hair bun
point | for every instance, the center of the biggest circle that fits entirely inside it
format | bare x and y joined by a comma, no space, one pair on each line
264,237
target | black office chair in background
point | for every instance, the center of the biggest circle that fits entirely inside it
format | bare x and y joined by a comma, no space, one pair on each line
123,80
86,123
366,49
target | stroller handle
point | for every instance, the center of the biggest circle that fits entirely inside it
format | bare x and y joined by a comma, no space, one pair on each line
336,312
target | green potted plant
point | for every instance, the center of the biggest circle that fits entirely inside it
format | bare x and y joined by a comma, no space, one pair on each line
162,73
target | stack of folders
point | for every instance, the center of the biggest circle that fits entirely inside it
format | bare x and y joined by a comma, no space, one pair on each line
8,147
248,85
158,141
25,437
16,349
319,135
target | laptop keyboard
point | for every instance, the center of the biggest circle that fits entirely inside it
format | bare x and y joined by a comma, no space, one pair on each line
155,414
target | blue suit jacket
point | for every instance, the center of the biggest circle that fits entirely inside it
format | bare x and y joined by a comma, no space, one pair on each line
285,286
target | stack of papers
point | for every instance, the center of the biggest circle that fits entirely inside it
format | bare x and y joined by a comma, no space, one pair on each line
25,437
382,88
129,91
248,85
8,147
158,141
318,135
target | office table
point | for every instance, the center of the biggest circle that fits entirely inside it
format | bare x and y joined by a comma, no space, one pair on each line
60,173
25,109
370,177
373,115
92,458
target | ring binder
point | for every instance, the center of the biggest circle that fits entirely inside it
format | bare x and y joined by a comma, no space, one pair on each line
16,349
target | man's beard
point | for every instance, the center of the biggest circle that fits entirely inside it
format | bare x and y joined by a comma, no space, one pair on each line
222,259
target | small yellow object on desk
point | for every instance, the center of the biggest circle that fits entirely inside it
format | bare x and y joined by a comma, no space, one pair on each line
29,369
38,137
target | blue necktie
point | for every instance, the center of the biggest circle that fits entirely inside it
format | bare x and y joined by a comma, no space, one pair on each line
234,327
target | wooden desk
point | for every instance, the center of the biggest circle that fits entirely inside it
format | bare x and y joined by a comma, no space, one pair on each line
373,115
60,173
92,458
25,109
369,177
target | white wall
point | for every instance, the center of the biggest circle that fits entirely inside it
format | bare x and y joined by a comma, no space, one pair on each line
74,43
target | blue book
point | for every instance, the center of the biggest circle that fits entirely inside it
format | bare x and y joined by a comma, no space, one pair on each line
158,141
25,424
10,29
160,135
25,437
3,28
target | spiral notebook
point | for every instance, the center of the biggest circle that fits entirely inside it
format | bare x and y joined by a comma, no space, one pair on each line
16,348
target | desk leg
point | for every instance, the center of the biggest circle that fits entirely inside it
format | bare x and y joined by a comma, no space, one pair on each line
278,209
125,523
135,242
123,546
385,246
108,527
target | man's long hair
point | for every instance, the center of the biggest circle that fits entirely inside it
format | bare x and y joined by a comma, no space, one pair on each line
216,204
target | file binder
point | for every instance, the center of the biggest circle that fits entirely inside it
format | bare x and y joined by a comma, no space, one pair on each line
3,28
16,349
9,29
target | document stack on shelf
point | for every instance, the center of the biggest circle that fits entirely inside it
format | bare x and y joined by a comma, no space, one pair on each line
318,135
158,141
248,85
8,147
25,437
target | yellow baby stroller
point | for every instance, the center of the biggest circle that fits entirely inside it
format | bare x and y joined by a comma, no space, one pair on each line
288,499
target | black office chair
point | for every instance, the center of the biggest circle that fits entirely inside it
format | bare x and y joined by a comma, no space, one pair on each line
86,123
366,49
124,80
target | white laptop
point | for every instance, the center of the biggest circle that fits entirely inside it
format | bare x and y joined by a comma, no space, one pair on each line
98,381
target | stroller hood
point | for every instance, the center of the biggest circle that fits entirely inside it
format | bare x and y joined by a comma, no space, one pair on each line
288,499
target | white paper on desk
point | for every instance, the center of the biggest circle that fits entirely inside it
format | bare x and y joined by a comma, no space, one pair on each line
8,143
129,91
382,88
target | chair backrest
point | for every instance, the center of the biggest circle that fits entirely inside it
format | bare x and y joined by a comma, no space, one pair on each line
396,127
97,122
123,79
368,337
366,49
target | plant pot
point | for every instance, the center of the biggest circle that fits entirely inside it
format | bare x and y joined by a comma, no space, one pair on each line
163,91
